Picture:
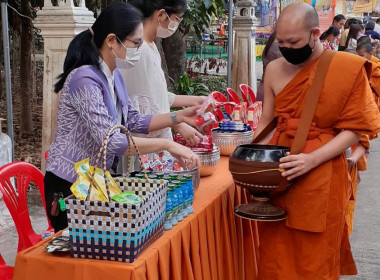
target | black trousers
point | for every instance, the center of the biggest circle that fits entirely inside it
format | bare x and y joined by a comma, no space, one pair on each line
55,184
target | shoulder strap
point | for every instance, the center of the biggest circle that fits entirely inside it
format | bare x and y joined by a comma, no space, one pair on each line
311,102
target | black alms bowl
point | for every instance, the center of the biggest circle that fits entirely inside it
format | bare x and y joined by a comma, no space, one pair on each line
256,167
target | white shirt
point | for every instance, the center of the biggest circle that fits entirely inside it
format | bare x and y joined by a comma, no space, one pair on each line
377,28
147,88
351,47
111,85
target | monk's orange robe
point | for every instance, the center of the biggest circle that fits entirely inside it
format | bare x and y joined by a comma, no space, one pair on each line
375,79
347,263
307,244
361,165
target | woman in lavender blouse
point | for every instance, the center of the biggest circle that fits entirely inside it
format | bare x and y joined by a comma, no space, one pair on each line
93,98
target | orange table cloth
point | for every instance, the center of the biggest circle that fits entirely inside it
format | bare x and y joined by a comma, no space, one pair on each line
212,243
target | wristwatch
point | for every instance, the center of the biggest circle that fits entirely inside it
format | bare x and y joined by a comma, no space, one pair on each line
173,116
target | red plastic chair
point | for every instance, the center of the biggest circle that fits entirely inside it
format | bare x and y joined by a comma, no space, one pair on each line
23,174
233,95
247,91
6,272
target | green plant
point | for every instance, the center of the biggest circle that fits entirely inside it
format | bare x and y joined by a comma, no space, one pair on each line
199,14
214,83
185,86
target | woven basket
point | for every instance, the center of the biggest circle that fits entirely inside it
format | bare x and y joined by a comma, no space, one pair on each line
115,231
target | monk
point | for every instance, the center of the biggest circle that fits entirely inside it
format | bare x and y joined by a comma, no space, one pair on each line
366,50
307,244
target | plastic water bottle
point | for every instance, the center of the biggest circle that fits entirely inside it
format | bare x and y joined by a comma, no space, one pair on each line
178,192
175,203
190,199
183,190
168,224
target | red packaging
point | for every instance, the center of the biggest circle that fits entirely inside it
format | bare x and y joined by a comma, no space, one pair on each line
254,114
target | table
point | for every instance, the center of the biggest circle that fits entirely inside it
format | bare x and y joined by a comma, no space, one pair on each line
212,243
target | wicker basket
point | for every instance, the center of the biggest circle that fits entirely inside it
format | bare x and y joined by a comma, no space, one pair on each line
115,231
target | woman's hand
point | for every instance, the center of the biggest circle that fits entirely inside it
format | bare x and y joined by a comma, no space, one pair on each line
296,165
199,100
188,115
190,134
185,156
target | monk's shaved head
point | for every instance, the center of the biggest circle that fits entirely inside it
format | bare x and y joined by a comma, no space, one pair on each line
299,14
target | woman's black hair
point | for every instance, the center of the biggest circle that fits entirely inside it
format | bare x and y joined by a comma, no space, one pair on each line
338,18
270,41
353,33
147,7
331,31
120,18
349,22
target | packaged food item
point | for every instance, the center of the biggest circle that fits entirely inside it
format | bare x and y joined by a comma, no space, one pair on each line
205,120
254,114
80,190
101,184
82,167
127,197
84,170
207,106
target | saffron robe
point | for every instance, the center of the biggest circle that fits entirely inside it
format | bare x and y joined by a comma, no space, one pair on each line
361,165
375,79
307,244
347,263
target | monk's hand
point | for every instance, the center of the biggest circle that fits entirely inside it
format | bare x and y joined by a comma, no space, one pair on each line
351,162
296,165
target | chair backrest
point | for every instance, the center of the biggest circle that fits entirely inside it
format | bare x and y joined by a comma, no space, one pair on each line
6,272
233,95
247,91
16,201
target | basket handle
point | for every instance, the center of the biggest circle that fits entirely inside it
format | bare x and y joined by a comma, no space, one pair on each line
103,151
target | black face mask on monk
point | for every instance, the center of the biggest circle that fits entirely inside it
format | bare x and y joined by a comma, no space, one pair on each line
297,56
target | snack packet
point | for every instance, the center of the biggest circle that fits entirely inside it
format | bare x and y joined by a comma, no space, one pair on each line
80,190
127,197
101,184
84,170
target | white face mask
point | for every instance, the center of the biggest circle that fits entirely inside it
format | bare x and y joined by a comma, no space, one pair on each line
165,33
132,56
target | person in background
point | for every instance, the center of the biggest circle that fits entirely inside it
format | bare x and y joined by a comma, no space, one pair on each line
366,50
377,52
377,25
270,52
369,31
343,38
338,21
146,82
93,99
353,34
328,38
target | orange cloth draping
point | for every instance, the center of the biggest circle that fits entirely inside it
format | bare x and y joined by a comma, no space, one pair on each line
212,243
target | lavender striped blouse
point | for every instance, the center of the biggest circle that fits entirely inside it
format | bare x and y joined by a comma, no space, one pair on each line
85,113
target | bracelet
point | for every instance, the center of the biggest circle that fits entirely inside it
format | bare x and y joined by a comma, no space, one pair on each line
173,116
